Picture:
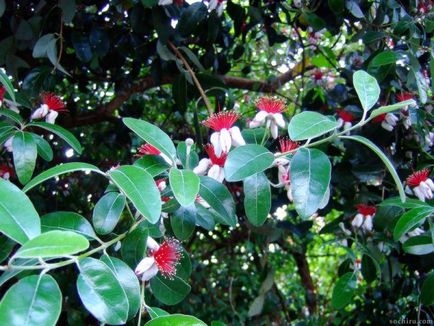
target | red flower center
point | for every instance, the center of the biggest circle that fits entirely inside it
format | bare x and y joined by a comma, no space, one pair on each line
53,101
271,104
167,257
379,118
220,161
366,210
147,149
317,75
2,93
404,96
6,169
346,116
417,177
287,145
221,120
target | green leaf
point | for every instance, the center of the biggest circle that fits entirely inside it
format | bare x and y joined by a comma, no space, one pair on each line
181,150
53,244
384,58
101,293
205,218
244,161
367,89
34,301
385,160
67,136
155,312
169,291
219,198
128,280
134,246
175,320
185,185
369,270
67,221
140,188
2,7
419,245
343,291
25,153
409,203
11,115
43,148
107,212
411,219
390,108
152,135
191,18
153,164
68,8
59,170
6,247
183,222
257,198
18,218
309,124
426,292
4,79
310,178
40,48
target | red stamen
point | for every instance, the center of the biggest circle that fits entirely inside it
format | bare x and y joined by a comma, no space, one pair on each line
147,149
221,120
2,93
287,145
220,161
317,75
366,209
404,96
6,169
52,101
271,104
417,177
346,116
167,257
379,118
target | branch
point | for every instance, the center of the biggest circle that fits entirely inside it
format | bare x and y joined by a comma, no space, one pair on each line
105,112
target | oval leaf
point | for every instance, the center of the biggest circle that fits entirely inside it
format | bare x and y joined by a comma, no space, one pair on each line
219,198
183,222
25,152
152,135
343,291
140,188
426,292
169,291
185,185
67,221
309,124
18,217
411,219
128,280
257,198
59,170
101,293
244,161
176,319
419,245
34,301
107,212
134,245
67,136
367,89
53,244
310,178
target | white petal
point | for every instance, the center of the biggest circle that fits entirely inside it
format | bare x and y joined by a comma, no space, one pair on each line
216,172
391,119
152,244
220,9
8,144
386,126
419,193
212,4
6,176
164,2
430,184
340,122
278,117
51,117
215,141
289,193
40,113
225,141
150,273
274,130
347,125
202,167
145,264
426,190
260,116
357,221
237,137
280,161
367,225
